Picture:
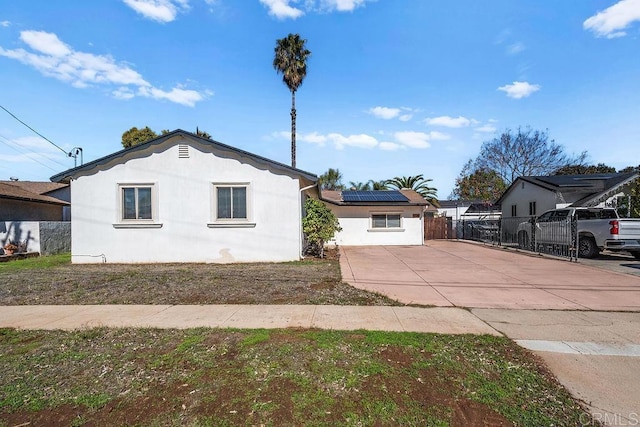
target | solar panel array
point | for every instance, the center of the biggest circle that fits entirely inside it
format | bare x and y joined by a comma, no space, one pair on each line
373,196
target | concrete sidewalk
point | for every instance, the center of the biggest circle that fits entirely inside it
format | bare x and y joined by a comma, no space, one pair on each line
402,319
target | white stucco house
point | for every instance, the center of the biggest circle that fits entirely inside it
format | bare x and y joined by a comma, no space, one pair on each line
183,198
533,195
378,217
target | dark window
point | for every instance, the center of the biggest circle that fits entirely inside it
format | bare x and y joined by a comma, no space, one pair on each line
532,208
514,210
136,203
232,202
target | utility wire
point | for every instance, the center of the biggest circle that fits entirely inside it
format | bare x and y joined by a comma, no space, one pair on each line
31,158
35,131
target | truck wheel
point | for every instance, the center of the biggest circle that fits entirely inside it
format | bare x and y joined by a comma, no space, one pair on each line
587,248
523,240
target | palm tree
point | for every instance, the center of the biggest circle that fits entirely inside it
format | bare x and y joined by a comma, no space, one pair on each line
291,61
379,185
417,183
331,180
360,186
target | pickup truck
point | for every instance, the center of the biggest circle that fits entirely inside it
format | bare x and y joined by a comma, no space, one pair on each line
598,229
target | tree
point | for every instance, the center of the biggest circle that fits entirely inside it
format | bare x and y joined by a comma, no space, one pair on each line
360,186
478,184
319,226
135,136
417,183
331,180
629,205
202,134
291,61
585,169
525,152
379,185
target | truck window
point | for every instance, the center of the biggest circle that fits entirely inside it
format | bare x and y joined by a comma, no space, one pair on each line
560,215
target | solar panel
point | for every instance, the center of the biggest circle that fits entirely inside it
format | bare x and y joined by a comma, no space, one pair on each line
373,196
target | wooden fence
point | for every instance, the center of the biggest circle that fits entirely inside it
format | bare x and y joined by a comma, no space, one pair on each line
438,228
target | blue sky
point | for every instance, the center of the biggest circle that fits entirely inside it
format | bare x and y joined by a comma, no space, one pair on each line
394,87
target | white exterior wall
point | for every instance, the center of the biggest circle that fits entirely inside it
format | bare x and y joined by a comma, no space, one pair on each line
356,226
524,193
184,190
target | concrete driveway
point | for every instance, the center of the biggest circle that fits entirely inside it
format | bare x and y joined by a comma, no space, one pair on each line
581,319
452,273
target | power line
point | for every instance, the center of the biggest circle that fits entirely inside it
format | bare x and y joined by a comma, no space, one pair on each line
30,158
35,131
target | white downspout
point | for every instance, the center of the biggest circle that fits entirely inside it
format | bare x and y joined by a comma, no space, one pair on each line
301,237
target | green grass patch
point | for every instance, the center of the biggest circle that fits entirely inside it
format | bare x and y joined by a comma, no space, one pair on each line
274,377
36,263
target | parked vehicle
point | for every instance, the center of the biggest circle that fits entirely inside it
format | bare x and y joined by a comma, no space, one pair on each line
597,229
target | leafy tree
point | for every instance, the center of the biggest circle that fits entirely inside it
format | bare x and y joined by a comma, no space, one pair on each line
417,183
379,185
361,186
319,226
478,184
632,197
331,180
585,169
291,61
135,136
202,134
525,152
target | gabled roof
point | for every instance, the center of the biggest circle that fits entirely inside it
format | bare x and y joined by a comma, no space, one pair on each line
593,187
212,145
413,199
30,191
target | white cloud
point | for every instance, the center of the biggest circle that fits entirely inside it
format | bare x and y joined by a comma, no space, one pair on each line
450,122
401,140
488,128
385,113
519,90
361,141
390,146
412,139
284,9
281,9
612,21
405,117
515,48
54,58
158,10
341,5
4,23
313,138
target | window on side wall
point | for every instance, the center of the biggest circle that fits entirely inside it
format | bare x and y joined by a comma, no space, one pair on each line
231,205
532,208
382,221
137,206
514,210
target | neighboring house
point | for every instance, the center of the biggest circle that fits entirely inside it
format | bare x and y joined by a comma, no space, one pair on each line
459,210
34,201
183,198
35,216
378,217
533,195
462,213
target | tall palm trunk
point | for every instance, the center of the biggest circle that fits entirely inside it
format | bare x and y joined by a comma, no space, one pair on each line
293,128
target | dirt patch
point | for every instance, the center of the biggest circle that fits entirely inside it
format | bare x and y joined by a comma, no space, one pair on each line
311,281
270,377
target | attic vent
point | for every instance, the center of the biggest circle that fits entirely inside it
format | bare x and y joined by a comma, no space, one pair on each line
183,151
